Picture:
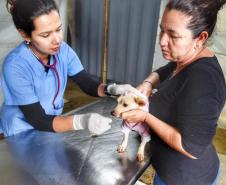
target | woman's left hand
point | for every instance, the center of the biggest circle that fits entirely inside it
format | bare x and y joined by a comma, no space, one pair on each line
134,116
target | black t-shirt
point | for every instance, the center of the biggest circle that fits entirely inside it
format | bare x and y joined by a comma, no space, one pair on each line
191,101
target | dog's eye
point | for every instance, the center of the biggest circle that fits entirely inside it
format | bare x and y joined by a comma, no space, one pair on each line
125,105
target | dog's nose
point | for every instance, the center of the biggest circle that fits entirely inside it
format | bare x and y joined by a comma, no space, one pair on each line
113,113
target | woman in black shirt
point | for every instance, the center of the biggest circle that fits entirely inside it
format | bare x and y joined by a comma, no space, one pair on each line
190,95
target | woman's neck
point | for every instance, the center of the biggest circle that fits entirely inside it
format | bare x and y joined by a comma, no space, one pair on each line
42,57
203,52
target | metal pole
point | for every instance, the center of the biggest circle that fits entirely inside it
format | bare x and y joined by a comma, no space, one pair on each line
105,41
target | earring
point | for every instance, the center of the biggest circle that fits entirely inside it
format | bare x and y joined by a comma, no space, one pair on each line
27,42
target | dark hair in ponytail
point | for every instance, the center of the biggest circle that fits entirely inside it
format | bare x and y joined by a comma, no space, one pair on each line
203,13
25,11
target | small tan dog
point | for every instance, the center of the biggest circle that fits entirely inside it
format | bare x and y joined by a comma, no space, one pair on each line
128,102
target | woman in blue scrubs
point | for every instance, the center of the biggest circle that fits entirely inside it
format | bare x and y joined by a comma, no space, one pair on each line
35,74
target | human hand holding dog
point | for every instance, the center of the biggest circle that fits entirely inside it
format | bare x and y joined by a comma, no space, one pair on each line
96,123
134,116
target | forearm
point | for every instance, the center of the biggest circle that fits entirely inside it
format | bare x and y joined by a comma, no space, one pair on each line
36,116
168,134
63,123
153,78
87,83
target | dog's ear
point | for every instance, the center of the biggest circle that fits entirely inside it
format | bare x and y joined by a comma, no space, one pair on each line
139,101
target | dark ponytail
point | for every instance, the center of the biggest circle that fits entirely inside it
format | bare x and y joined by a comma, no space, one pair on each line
203,13
25,11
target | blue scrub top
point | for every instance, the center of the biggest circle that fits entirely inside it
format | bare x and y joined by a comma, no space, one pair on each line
1,131
25,81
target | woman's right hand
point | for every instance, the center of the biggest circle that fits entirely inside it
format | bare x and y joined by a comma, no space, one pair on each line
145,88
95,123
134,116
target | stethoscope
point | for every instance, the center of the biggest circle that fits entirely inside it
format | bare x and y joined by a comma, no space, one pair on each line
53,67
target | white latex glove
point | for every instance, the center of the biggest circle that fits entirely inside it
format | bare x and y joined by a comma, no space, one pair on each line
96,123
116,89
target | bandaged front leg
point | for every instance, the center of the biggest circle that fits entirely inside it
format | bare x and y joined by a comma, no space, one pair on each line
140,152
122,147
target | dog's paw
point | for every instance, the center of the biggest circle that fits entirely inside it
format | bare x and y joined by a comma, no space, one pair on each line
140,157
121,149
